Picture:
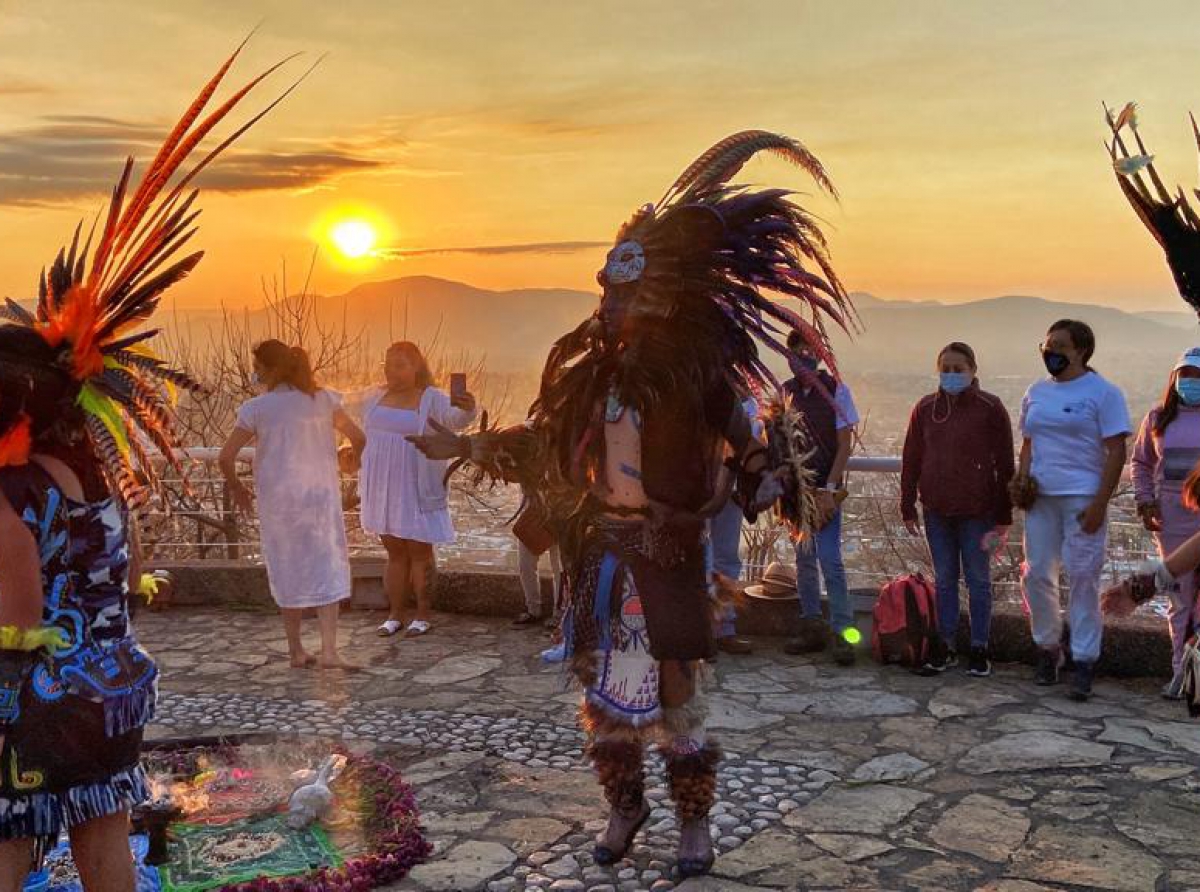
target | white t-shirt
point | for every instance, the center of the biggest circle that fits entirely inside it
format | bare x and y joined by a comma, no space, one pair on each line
1067,423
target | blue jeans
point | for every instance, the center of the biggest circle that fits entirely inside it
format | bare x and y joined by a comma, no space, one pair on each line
956,544
824,549
725,536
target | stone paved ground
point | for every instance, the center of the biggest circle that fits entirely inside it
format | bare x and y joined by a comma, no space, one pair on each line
868,778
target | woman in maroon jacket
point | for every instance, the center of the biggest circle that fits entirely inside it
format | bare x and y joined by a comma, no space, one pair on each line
958,455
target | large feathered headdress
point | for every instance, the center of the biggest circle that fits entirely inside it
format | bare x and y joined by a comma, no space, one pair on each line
91,301
708,255
1170,218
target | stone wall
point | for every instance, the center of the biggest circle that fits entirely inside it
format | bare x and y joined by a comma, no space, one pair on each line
1133,647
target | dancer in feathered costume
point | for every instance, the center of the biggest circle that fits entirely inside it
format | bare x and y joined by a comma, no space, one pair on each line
80,396
622,453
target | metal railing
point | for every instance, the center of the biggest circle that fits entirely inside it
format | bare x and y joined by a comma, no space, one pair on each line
876,545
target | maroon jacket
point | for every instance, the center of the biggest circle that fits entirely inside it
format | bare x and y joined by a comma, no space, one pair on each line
959,454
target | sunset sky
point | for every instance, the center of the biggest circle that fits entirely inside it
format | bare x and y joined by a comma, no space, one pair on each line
965,137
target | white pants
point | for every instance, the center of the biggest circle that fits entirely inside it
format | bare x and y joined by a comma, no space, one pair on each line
530,582
1054,542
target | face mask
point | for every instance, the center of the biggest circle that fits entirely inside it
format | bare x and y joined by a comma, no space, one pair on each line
1189,391
955,383
800,364
1056,363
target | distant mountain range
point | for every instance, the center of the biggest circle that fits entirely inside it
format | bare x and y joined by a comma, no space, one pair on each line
515,329
1006,331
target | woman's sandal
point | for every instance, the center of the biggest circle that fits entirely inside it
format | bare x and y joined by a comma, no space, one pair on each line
605,856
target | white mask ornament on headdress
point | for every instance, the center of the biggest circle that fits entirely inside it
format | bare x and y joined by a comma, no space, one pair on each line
625,263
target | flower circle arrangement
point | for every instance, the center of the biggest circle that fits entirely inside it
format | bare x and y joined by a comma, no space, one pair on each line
391,821
232,794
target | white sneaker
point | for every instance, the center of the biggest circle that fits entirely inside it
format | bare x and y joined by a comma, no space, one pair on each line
388,628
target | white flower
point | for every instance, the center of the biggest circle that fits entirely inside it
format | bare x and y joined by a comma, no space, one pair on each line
1132,165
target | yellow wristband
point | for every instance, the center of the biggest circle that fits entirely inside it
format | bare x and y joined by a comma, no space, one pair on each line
148,586
49,638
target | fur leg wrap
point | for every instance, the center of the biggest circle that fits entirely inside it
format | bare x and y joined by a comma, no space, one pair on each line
619,766
692,778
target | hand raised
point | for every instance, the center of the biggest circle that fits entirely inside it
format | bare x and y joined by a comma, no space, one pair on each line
441,444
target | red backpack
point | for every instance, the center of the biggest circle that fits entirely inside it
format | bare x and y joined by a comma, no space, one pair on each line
905,627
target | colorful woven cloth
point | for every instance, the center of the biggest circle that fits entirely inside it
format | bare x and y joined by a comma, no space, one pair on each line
205,857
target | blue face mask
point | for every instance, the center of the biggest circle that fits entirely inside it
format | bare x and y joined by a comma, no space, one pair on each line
955,383
1188,390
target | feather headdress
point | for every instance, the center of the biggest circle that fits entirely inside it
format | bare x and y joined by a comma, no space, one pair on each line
712,253
92,300
1171,219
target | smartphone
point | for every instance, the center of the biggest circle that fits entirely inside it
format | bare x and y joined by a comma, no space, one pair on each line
458,385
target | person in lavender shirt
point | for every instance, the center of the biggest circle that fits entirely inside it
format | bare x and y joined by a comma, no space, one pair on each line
1167,448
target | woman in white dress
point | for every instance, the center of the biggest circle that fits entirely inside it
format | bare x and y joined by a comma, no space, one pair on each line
294,426
403,493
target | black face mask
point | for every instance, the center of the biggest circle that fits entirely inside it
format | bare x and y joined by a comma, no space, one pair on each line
801,364
1056,363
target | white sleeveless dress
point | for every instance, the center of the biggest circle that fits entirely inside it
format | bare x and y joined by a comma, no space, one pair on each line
388,480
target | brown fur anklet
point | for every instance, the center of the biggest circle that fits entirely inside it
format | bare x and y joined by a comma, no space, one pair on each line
619,766
693,781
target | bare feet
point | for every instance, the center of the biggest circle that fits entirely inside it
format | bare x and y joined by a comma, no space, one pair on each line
303,660
615,841
695,855
337,663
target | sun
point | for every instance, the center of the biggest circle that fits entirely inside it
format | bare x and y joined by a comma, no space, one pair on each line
353,238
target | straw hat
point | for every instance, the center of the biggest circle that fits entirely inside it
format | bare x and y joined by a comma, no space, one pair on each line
777,584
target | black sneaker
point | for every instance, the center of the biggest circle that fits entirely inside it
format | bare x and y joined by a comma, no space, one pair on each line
978,663
813,637
939,660
1049,661
842,651
1081,681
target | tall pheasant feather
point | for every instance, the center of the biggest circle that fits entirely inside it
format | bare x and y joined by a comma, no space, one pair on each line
721,163
90,310
1171,219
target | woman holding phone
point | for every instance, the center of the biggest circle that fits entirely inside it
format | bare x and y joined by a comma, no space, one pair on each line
403,493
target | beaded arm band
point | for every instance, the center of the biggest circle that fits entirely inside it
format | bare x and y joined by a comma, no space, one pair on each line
49,638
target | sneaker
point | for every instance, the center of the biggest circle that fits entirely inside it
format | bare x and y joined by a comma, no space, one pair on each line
1173,689
555,654
416,628
1081,681
939,660
1049,661
735,644
978,663
813,637
842,651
